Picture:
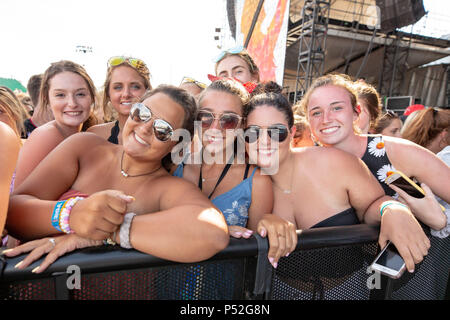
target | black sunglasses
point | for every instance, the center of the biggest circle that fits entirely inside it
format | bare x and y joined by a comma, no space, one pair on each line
227,121
277,132
141,113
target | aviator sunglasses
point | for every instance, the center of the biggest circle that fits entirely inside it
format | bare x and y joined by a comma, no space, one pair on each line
192,80
136,63
227,121
141,113
277,132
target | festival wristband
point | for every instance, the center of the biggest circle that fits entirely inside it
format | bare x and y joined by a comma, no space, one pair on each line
56,214
65,213
384,206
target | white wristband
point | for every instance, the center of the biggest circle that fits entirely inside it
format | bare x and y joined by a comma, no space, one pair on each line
124,233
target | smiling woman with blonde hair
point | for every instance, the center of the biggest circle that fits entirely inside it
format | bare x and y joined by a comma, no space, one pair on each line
127,80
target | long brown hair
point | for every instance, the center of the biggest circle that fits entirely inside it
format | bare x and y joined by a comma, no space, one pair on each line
13,108
67,66
427,125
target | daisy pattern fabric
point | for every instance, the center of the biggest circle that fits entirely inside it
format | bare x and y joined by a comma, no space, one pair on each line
378,162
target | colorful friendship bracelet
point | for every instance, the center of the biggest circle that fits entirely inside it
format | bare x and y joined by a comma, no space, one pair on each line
384,206
61,213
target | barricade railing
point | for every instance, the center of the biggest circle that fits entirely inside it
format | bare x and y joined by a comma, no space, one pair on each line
328,263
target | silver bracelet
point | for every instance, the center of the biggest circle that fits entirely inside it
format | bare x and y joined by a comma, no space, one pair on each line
124,233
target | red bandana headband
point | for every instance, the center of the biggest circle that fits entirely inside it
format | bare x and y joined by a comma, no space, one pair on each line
249,86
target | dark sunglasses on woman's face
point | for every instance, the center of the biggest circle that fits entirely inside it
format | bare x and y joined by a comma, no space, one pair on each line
277,132
141,113
227,121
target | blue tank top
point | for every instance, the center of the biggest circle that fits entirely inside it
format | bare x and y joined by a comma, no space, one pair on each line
234,203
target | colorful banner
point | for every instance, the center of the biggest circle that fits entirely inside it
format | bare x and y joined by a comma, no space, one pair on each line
267,44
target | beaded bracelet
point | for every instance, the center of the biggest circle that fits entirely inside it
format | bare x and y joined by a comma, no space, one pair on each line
61,213
124,232
384,206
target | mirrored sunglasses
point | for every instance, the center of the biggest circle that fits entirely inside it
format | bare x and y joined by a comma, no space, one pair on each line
276,132
134,62
141,113
235,50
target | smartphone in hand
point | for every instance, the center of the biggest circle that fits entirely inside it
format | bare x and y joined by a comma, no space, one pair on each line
389,262
400,180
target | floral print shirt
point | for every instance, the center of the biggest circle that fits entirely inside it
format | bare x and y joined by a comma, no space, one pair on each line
235,203
378,162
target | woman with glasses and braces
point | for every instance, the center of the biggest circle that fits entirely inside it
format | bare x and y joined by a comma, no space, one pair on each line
119,192
324,187
70,93
127,79
238,189
331,107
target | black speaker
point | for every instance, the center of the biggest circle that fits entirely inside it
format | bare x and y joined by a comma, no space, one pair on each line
399,13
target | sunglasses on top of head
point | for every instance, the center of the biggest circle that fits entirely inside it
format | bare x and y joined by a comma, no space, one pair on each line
235,50
134,62
277,132
227,121
141,113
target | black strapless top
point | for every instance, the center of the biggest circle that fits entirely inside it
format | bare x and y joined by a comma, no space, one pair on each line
345,218
114,137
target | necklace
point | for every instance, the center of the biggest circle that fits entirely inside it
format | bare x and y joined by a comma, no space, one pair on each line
126,175
286,191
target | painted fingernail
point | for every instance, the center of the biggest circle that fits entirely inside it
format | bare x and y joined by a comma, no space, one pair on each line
275,264
287,254
18,265
6,251
271,260
35,269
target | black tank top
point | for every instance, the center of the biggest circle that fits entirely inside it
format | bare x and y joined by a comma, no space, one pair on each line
114,137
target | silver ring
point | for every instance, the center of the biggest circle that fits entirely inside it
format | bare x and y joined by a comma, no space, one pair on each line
52,240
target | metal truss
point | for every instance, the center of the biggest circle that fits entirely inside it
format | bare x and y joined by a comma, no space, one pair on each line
312,38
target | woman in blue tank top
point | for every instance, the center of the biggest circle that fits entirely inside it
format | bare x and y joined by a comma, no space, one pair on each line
238,189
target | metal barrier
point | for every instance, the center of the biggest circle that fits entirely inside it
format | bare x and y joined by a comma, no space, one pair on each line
328,263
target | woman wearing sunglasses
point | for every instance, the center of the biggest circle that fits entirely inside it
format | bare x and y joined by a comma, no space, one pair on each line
119,192
239,191
237,63
127,79
323,187
331,107
70,93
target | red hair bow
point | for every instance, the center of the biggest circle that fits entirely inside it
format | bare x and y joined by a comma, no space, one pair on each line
249,86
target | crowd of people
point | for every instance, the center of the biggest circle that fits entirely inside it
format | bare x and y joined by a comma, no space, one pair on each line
175,170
